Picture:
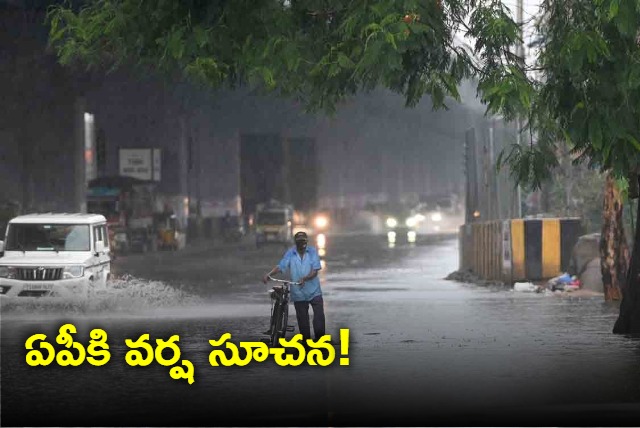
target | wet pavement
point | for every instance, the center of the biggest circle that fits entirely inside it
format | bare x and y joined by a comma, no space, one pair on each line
423,351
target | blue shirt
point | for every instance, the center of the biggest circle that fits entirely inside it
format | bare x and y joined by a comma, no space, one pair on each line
298,268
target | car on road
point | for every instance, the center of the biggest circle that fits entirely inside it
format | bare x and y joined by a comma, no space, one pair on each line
400,223
54,254
274,223
439,213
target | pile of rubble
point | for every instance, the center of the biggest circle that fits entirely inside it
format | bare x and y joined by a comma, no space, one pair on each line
560,284
469,277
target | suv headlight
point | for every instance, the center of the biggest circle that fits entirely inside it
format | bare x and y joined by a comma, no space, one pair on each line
392,222
7,272
436,217
73,272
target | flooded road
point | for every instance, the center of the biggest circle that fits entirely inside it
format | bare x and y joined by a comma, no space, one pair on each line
423,351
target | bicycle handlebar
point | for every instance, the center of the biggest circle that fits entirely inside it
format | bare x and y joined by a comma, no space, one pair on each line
283,281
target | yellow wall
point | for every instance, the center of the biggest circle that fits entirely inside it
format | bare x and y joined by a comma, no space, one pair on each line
517,250
550,248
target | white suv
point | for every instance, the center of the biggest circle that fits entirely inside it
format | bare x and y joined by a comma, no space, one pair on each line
54,254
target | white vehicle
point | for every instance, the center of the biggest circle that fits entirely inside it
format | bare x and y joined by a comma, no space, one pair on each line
439,214
274,223
54,254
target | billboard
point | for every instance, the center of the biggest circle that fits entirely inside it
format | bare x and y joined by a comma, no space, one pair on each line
143,164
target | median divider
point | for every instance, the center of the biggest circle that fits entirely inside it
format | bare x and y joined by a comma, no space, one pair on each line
518,249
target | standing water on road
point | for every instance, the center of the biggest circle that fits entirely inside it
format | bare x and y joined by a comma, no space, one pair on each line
421,348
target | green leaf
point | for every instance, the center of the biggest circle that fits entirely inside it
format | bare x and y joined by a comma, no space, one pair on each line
578,106
175,44
606,153
595,134
374,27
344,61
613,8
633,81
419,28
200,35
591,52
633,141
626,18
524,98
334,70
391,40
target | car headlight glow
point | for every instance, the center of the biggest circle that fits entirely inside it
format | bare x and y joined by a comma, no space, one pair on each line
321,222
392,222
436,217
419,217
7,272
73,271
411,222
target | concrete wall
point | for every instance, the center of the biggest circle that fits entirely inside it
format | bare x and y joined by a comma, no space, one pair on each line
519,250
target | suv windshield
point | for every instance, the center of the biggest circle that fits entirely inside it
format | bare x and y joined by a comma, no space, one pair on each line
48,237
271,218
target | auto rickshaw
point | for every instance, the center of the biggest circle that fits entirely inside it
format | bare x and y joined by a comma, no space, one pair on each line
169,234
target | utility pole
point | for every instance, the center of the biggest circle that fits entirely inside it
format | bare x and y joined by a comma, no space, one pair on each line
517,212
184,169
493,182
496,176
486,180
471,202
198,190
79,163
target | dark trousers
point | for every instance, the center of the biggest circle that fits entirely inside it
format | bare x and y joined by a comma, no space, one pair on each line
302,313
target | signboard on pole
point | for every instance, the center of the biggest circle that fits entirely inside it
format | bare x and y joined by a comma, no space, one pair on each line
143,164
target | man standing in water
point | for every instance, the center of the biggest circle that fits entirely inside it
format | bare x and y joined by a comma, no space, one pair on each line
303,263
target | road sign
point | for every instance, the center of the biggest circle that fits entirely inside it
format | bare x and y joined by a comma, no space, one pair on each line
143,164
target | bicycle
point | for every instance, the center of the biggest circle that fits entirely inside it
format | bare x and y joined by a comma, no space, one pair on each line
278,326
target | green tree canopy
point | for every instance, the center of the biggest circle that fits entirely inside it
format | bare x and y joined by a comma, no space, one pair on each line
320,51
588,93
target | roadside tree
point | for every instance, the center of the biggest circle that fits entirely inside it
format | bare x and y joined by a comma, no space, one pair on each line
324,51
590,60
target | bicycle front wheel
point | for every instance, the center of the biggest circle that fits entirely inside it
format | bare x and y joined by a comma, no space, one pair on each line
280,317
285,320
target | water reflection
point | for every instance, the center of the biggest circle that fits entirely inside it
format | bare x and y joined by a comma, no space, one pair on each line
321,241
391,239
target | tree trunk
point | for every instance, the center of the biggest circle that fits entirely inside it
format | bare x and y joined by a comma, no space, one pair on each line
614,252
628,321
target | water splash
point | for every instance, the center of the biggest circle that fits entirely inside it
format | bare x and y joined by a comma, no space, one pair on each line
126,294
